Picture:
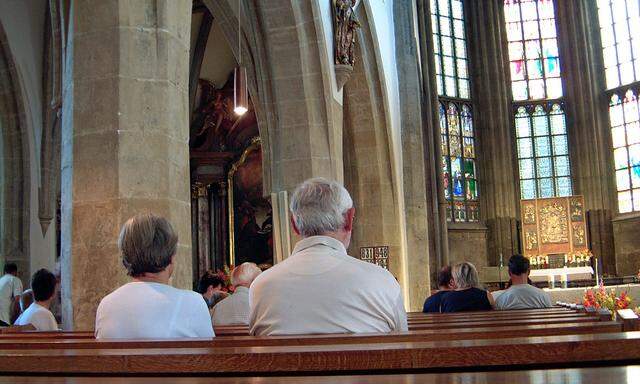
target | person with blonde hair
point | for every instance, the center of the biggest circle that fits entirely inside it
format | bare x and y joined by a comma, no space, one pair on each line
319,288
466,296
235,308
148,307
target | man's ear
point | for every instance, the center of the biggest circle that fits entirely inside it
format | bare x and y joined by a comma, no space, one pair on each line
293,224
348,222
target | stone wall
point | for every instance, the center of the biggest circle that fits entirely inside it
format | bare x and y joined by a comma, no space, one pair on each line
468,245
626,232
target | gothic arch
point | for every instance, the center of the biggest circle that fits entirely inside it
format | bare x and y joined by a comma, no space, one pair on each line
14,161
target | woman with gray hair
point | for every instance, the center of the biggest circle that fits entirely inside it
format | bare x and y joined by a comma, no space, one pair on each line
466,296
148,307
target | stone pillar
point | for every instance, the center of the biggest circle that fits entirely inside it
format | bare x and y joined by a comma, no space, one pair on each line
419,232
204,228
587,122
125,140
437,204
497,160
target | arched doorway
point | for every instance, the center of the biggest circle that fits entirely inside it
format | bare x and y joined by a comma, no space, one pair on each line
230,215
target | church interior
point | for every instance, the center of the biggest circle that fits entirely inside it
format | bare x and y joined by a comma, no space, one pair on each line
463,130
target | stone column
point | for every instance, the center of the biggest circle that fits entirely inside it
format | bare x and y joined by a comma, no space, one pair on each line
204,228
124,140
437,204
587,122
419,232
497,160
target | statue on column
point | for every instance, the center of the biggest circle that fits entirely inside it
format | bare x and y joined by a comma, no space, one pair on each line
344,27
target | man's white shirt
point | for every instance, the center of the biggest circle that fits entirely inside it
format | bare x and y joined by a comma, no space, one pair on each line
10,287
40,317
145,310
321,289
234,309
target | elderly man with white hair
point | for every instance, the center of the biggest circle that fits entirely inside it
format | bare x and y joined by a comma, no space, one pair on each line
320,288
234,309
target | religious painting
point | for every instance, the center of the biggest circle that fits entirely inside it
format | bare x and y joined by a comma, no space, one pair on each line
251,232
553,226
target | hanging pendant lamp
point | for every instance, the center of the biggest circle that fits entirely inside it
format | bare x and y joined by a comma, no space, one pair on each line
240,94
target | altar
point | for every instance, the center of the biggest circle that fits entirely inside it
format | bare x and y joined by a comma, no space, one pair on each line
554,235
561,274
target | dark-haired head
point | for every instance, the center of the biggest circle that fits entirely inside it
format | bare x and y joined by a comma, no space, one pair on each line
43,284
10,268
209,279
444,277
518,265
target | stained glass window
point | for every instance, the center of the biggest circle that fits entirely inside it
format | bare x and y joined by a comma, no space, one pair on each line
450,48
625,135
458,147
620,36
459,161
543,151
533,49
541,132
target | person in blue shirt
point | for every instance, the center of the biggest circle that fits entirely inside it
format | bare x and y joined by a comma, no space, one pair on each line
467,296
445,284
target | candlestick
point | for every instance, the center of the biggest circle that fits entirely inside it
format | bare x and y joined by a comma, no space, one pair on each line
597,277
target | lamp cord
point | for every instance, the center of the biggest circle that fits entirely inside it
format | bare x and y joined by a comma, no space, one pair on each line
239,47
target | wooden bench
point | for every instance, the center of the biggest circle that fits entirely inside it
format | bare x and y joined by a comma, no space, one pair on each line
586,350
618,375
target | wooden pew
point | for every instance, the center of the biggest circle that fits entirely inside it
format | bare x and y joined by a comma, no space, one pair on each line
245,341
618,375
586,350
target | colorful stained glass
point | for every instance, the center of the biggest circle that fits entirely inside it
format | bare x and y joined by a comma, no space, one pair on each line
533,49
457,141
619,32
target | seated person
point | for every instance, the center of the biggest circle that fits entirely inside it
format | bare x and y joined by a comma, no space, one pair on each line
466,296
43,285
26,299
148,307
522,295
320,288
445,284
210,287
235,308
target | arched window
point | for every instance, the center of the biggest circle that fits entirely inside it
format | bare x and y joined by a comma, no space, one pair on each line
620,36
536,85
457,139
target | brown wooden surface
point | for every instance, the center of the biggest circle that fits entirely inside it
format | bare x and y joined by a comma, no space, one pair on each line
617,375
376,357
245,341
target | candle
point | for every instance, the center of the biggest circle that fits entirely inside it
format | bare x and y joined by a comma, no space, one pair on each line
597,277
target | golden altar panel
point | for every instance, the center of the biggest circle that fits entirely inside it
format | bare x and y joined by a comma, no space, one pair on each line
553,225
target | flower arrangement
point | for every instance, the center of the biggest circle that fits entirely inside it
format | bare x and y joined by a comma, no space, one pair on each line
225,275
600,298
